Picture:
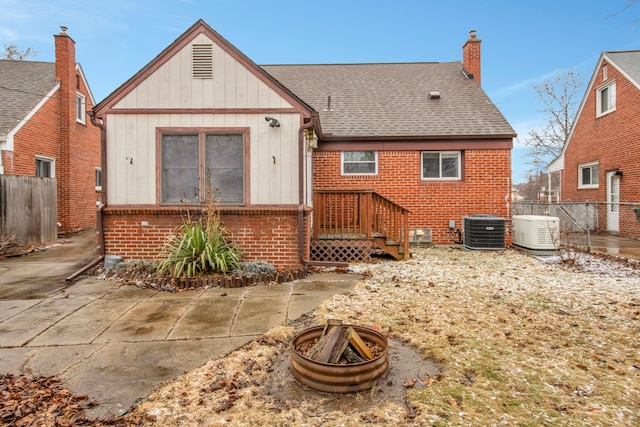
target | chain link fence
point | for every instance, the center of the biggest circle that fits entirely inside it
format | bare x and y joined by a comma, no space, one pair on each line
608,228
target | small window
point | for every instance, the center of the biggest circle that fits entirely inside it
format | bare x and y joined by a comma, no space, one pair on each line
80,108
359,163
441,165
45,167
98,179
606,99
588,175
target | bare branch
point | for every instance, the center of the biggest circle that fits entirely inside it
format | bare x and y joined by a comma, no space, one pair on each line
559,97
12,52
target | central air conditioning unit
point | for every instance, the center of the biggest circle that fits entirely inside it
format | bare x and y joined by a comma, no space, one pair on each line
536,232
483,232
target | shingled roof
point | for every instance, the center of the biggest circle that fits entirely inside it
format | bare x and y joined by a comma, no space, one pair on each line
391,100
23,84
628,61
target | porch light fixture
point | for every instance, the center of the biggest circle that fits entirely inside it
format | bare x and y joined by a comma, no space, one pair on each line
312,138
274,122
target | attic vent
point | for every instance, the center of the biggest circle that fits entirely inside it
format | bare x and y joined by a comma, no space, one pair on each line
202,61
434,94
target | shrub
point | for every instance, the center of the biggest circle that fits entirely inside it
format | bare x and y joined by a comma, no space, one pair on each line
200,248
251,268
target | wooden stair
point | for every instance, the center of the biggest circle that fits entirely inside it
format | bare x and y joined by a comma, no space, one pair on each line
361,215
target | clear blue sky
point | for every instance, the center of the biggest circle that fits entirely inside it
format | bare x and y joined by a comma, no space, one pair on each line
524,42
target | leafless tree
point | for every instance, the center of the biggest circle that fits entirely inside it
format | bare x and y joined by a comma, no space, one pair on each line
13,53
560,98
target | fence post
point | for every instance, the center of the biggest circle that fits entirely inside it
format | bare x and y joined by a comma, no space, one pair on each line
589,231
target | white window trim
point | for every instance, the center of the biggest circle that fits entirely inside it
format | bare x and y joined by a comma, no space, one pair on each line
99,187
611,85
342,163
584,166
459,172
51,160
83,114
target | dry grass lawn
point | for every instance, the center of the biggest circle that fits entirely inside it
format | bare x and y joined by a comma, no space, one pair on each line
521,342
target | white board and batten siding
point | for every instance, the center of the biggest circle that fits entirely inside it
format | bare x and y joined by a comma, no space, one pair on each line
131,146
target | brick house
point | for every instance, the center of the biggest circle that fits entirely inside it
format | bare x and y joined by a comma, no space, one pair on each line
599,161
313,162
45,132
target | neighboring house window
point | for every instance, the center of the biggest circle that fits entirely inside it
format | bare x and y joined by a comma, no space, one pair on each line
588,175
80,108
441,165
359,163
98,179
45,167
194,163
606,98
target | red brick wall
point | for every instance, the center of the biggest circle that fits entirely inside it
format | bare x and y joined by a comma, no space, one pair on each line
39,136
54,132
485,185
612,140
264,234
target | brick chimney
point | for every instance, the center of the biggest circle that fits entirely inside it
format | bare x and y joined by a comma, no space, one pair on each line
471,56
66,71
66,75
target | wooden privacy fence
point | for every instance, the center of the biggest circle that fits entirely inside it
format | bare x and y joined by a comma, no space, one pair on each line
28,209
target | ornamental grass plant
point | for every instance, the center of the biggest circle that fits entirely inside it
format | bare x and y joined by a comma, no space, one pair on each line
199,247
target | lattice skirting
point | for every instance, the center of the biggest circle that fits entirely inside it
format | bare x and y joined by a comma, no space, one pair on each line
341,250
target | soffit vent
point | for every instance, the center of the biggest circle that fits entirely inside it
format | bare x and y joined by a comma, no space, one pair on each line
202,61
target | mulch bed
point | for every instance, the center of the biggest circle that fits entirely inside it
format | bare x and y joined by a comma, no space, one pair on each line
166,283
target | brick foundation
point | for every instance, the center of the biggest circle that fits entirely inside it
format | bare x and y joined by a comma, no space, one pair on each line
263,233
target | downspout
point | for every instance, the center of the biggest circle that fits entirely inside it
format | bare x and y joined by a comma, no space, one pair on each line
103,160
99,227
301,187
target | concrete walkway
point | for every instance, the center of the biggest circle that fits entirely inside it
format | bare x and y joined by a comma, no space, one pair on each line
117,343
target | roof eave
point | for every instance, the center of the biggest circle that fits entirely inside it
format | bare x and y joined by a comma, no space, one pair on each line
336,138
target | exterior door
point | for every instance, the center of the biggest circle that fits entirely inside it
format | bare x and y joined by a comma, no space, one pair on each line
613,202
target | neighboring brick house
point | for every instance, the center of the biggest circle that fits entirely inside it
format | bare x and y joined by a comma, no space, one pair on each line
385,139
599,161
45,131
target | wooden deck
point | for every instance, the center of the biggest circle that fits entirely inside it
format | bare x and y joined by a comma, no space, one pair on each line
360,215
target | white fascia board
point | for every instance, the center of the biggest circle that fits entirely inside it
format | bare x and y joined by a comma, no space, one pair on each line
12,132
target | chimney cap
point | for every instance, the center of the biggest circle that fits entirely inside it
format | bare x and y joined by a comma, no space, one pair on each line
63,29
472,34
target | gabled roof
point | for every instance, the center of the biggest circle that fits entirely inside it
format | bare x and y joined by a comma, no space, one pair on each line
197,28
23,84
392,100
628,63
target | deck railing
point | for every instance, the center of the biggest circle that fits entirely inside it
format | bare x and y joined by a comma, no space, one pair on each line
359,214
